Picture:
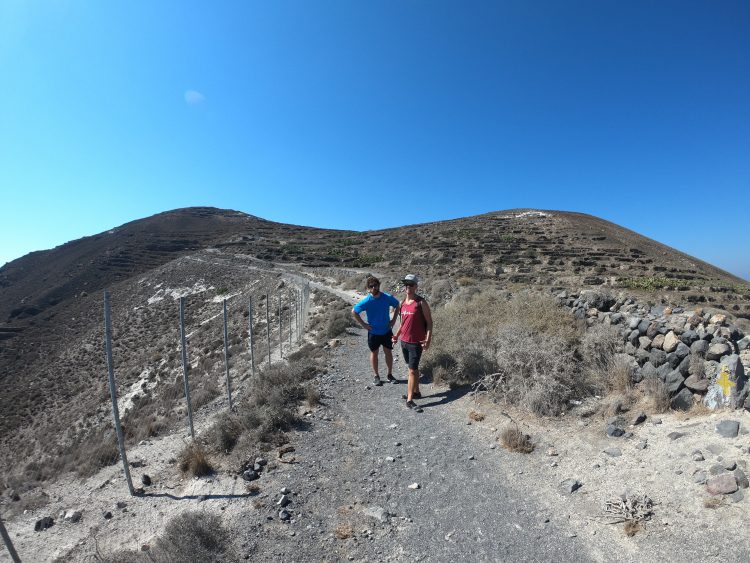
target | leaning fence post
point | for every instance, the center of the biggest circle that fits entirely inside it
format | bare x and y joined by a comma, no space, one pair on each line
113,390
250,337
268,331
185,366
226,355
8,543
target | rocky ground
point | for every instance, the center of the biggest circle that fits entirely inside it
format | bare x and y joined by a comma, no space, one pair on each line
369,480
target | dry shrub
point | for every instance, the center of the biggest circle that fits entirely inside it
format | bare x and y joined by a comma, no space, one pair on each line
338,321
204,394
619,374
516,441
252,489
606,369
656,394
476,416
268,410
521,350
312,396
191,537
193,460
535,371
697,366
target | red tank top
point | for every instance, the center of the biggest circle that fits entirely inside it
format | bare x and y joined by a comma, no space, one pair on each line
413,328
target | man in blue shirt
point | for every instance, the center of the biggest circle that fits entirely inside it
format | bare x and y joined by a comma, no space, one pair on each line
378,305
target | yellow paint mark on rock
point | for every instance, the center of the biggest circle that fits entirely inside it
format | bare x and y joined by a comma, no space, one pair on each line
724,382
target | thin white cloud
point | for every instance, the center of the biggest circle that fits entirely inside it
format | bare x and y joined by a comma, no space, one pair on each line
193,97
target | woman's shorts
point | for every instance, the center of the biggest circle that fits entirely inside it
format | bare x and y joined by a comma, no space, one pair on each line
412,354
375,341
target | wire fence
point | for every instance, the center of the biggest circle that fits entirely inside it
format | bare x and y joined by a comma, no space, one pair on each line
292,305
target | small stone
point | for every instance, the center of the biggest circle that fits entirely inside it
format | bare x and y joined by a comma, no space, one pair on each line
641,418
700,477
730,465
285,491
44,524
736,496
614,431
741,478
261,461
391,459
551,452
675,435
698,456
377,512
656,421
393,426
284,514
146,480
722,485
121,504
471,458
397,444
717,469
107,515
613,452
728,428
642,445
414,486
283,501
569,486
250,475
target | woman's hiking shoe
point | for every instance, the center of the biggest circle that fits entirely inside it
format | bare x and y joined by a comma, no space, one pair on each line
376,382
414,406
392,379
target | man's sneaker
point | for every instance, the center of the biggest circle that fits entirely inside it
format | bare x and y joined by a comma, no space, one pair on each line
413,406
392,379
376,382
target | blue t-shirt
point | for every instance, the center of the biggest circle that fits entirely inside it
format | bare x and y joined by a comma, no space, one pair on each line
378,311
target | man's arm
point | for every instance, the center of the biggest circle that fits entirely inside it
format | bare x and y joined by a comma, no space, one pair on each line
359,320
428,321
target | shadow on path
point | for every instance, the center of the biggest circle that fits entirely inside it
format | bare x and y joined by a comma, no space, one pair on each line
195,497
445,397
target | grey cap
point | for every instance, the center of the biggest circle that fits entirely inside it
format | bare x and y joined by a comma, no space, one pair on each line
410,278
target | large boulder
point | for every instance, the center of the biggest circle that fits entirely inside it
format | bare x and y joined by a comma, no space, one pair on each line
689,336
683,401
598,299
729,386
697,384
674,382
658,357
699,347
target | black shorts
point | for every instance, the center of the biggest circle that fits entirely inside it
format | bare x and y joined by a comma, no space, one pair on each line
412,354
375,341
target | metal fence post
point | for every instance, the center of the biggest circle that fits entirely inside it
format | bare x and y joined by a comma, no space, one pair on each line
226,355
281,340
185,366
250,337
268,331
113,391
291,314
8,543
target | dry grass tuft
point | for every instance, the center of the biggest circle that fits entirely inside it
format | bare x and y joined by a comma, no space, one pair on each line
344,531
656,394
193,460
476,416
632,527
516,441
252,489
713,502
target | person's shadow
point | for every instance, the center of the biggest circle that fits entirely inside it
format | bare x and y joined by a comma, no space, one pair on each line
444,397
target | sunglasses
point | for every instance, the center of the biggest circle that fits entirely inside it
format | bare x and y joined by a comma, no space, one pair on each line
373,286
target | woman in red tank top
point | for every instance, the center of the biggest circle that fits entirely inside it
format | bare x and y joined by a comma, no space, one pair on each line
415,333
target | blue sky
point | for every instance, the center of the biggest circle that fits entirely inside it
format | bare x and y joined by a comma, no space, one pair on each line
365,115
